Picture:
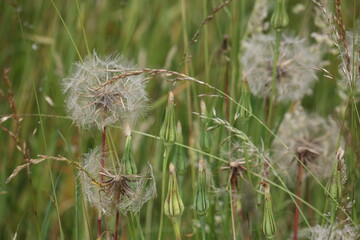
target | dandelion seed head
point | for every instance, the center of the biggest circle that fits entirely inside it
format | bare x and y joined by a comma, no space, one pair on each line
310,135
295,76
95,98
337,231
90,183
110,190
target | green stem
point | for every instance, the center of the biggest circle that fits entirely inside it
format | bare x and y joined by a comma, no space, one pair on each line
163,183
202,221
139,229
177,229
273,81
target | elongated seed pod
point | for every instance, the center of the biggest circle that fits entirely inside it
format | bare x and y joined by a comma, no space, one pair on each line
168,129
280,18
269,226
174,206
128,157
201,201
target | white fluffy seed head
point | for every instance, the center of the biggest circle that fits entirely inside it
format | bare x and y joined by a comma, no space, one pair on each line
90,183
337,231
103,188
295,76
308,134
93,100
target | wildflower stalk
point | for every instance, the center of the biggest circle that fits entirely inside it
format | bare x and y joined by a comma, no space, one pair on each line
174,207
269,227
235,169
163,183
168,136
334,187
233,207
270,101
279,21
102,162
298,194
201,201
202,222
117,221
129,164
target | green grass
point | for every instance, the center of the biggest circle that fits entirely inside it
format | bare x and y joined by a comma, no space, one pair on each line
39,42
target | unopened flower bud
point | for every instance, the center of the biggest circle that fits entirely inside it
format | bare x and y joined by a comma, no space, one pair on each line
205,136
168,129
245,108
179,157
201,202
269,226
280,18
174,206
334,187
128,156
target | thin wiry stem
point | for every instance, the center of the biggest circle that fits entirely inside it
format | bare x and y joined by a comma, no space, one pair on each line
273,82
117,225
298,193
163,183
103,150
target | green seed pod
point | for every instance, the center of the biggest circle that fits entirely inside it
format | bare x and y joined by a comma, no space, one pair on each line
201,202
128,157
174,206
334,186
245,111
205,136
168,129
269,226
179,157
280,18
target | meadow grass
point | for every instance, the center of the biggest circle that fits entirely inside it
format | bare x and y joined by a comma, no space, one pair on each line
236,108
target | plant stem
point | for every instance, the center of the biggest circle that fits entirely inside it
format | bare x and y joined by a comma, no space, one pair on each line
99,226
117,225
297,201
270,101
233,207
177,230
163,183
202,221
102,163
139,229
